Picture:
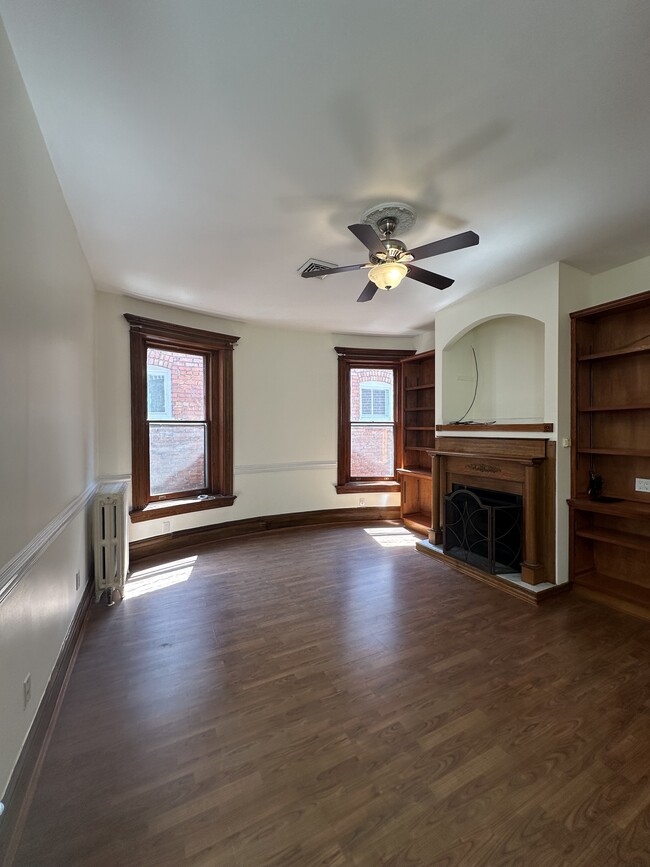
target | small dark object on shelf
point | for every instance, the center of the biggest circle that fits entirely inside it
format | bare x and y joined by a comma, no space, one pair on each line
595,488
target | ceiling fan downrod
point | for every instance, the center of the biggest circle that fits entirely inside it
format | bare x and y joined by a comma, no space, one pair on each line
395,249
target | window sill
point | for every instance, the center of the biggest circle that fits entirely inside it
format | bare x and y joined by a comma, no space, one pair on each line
368,487
164,508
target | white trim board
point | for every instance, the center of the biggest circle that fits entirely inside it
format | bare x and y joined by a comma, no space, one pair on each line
249,469
15,570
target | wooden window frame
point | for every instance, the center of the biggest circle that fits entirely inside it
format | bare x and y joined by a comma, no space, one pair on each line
387,359
217,350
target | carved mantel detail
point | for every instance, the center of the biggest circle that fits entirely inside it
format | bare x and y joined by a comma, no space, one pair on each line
519,466
484,468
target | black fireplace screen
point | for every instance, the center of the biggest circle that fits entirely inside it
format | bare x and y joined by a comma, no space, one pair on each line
483,528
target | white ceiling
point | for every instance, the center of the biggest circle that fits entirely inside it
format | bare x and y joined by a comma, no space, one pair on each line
207,148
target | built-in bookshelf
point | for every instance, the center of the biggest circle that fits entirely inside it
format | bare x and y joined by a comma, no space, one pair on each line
610,491
418,432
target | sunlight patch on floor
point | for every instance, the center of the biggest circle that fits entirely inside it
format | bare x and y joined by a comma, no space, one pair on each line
158,577
392,537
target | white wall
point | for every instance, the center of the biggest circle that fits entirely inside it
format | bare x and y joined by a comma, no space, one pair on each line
510,362
574,294
285,413
619,282
46,395
533,295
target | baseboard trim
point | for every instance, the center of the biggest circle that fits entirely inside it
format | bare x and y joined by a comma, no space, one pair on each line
196,536
625,606
22,784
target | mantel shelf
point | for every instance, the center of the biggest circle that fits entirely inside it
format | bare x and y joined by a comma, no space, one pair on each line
538,427
419,387
491,457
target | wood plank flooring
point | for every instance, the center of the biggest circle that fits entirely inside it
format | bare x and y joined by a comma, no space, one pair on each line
315,698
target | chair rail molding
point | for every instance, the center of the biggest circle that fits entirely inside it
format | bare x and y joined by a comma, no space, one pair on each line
251,469
19,566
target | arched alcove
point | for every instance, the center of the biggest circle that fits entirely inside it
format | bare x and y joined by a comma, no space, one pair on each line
499,365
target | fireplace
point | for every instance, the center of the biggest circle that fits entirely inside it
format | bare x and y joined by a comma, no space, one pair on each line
484,528
500,473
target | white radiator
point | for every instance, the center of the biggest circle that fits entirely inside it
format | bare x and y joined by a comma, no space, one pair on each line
110,539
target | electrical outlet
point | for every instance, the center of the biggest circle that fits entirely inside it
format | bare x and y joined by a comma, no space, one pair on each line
77,580
362,501
642,485
166,526
27,690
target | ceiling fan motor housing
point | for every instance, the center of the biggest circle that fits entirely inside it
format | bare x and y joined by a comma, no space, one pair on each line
395,251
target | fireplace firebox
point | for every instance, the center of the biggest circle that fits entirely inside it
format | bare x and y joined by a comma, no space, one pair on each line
484,528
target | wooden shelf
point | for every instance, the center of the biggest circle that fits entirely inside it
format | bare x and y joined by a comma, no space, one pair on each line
607,585
630,453
418,472
430,408
627,407
615,507
419,387
420,427
615,353
418,520
623,540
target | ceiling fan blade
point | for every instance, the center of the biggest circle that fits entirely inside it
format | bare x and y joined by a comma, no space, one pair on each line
445,245
368,237
428,277
323,272
368,293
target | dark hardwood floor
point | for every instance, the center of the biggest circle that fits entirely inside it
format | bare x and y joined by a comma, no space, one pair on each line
314,698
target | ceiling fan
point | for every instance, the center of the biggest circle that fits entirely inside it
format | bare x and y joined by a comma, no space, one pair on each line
390,260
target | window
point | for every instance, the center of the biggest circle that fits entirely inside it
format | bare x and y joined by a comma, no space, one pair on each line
159,392
376,400
369,396
181,418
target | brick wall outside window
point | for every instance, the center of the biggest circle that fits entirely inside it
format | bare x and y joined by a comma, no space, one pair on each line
176,456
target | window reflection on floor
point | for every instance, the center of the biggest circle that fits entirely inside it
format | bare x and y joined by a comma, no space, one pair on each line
158,577
392,537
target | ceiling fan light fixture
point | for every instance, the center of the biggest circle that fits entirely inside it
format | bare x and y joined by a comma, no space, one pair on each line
388,275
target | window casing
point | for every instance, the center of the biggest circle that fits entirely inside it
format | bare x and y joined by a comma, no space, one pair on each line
369,440
181,418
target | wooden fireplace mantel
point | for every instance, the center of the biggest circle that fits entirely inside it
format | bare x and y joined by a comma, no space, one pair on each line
518,466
